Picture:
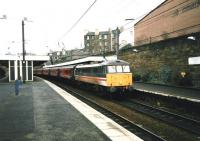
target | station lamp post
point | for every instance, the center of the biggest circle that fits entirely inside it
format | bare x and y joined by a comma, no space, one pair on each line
23,50
23,54
23,47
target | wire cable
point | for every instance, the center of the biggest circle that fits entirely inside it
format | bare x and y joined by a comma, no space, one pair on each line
74,25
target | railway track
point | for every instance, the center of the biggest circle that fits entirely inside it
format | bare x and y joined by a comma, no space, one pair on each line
127,124
159,129
185,123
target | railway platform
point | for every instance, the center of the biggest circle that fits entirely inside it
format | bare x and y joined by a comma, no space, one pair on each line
45,112
170,91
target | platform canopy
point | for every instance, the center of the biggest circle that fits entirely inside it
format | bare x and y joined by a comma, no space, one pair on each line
37,59
27,57
19,68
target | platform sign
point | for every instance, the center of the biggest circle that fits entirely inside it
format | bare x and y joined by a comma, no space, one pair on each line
194,60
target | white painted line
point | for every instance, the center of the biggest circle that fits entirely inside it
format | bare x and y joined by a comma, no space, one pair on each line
168,95
110,128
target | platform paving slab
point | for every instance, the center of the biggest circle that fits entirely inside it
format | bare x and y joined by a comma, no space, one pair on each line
179,92
39,114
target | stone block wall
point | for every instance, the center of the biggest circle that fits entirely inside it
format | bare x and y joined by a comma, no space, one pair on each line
165,62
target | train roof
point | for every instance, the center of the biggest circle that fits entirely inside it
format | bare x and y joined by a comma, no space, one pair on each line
105,63
87,60
116,62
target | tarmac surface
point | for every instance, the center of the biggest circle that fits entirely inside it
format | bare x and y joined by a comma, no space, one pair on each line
39,114
179,92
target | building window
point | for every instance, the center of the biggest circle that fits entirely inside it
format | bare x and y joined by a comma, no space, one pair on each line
106,43
113,35
100,43
100,37
105,36
58,53
88,37
88,44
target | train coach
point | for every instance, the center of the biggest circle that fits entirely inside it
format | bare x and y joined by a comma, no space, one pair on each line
106,75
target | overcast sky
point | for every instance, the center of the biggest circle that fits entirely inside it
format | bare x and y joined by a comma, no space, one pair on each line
50,20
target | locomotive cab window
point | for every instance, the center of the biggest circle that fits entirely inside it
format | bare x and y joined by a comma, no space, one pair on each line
119,68
126,68
111,69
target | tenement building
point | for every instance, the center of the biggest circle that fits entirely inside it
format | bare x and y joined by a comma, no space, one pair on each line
102,42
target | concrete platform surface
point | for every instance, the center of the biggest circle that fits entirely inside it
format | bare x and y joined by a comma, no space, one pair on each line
38,113
179,92
110,128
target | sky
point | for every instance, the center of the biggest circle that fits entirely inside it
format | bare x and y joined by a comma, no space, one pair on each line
48,22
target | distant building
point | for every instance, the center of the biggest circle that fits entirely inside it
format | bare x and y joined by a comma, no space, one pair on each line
67,55
172,18
102,42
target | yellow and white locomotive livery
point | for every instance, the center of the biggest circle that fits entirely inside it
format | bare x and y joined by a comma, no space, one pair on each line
114,75
110,75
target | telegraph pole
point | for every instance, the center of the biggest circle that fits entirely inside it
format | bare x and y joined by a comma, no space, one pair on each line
23,54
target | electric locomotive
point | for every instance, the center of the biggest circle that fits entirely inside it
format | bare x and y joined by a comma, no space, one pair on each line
109,75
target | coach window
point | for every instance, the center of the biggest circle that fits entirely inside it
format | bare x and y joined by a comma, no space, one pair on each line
104,69
84,71
93,71
87,71
99,71
79,72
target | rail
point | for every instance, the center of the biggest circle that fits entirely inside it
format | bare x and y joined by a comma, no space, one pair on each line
185,123
127,124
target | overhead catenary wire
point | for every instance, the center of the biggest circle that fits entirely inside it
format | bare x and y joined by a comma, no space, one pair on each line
74,25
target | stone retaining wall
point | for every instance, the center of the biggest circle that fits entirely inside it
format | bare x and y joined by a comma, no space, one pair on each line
165,62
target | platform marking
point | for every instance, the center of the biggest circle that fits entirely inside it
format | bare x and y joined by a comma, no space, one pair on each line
168,95
110,128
